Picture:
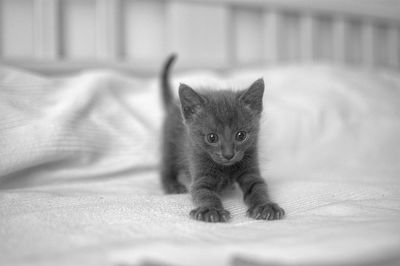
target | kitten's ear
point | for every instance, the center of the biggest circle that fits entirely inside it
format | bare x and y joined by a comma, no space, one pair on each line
253,96
191,101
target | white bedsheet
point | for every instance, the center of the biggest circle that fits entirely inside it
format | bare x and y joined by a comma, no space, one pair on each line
79,183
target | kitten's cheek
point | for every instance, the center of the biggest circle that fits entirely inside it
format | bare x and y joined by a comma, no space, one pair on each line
216,156
239,156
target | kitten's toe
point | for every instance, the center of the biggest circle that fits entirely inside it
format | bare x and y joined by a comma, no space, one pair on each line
267,211
210,214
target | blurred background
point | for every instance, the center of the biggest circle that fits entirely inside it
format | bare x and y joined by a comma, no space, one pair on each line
56,36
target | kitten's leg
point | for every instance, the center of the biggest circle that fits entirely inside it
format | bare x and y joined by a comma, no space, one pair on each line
209,205
170,171
170,183
256,197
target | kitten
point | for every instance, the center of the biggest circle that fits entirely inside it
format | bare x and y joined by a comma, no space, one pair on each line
211,136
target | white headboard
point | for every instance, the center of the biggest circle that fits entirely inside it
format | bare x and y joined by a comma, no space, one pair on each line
57,36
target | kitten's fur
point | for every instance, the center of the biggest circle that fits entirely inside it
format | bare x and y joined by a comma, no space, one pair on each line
186,149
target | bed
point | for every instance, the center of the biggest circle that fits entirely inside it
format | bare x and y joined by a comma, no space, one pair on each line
79,136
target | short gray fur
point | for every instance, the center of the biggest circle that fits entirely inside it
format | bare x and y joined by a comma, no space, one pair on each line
211,136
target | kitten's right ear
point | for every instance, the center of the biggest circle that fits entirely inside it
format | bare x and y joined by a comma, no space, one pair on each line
191,101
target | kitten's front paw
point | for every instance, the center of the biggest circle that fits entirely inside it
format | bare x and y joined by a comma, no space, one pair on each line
266,211
210,214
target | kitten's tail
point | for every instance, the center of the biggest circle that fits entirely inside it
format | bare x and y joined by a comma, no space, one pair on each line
166,91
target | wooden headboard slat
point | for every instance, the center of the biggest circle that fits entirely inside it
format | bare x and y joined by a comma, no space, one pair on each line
68,35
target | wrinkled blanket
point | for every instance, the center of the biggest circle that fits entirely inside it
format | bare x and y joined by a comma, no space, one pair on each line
79,172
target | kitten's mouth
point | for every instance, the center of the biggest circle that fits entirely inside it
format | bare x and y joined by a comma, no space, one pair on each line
228,163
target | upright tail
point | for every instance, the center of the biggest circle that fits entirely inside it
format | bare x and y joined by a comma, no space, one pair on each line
166,90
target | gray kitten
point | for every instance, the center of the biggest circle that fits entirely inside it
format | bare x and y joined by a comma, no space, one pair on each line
211,136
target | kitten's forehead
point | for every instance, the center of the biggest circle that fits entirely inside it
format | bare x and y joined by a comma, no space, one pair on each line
223,110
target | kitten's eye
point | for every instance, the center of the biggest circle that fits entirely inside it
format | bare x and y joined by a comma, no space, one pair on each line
241,136
212,138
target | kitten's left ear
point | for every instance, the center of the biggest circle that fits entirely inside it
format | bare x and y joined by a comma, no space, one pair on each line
253,96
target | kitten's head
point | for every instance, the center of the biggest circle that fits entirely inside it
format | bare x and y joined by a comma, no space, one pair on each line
224,123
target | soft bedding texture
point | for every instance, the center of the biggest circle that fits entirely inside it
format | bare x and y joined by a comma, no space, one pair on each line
79,178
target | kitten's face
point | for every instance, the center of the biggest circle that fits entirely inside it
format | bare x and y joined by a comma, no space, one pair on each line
225,138
224,124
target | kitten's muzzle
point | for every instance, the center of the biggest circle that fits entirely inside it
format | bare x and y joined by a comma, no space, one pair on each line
230,159
228,155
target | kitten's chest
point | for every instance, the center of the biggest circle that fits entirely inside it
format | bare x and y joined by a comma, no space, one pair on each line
221,178
225,178
225,181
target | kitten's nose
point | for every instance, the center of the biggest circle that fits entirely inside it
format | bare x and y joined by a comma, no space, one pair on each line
228,154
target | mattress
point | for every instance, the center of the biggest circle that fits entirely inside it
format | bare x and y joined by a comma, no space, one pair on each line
79,180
